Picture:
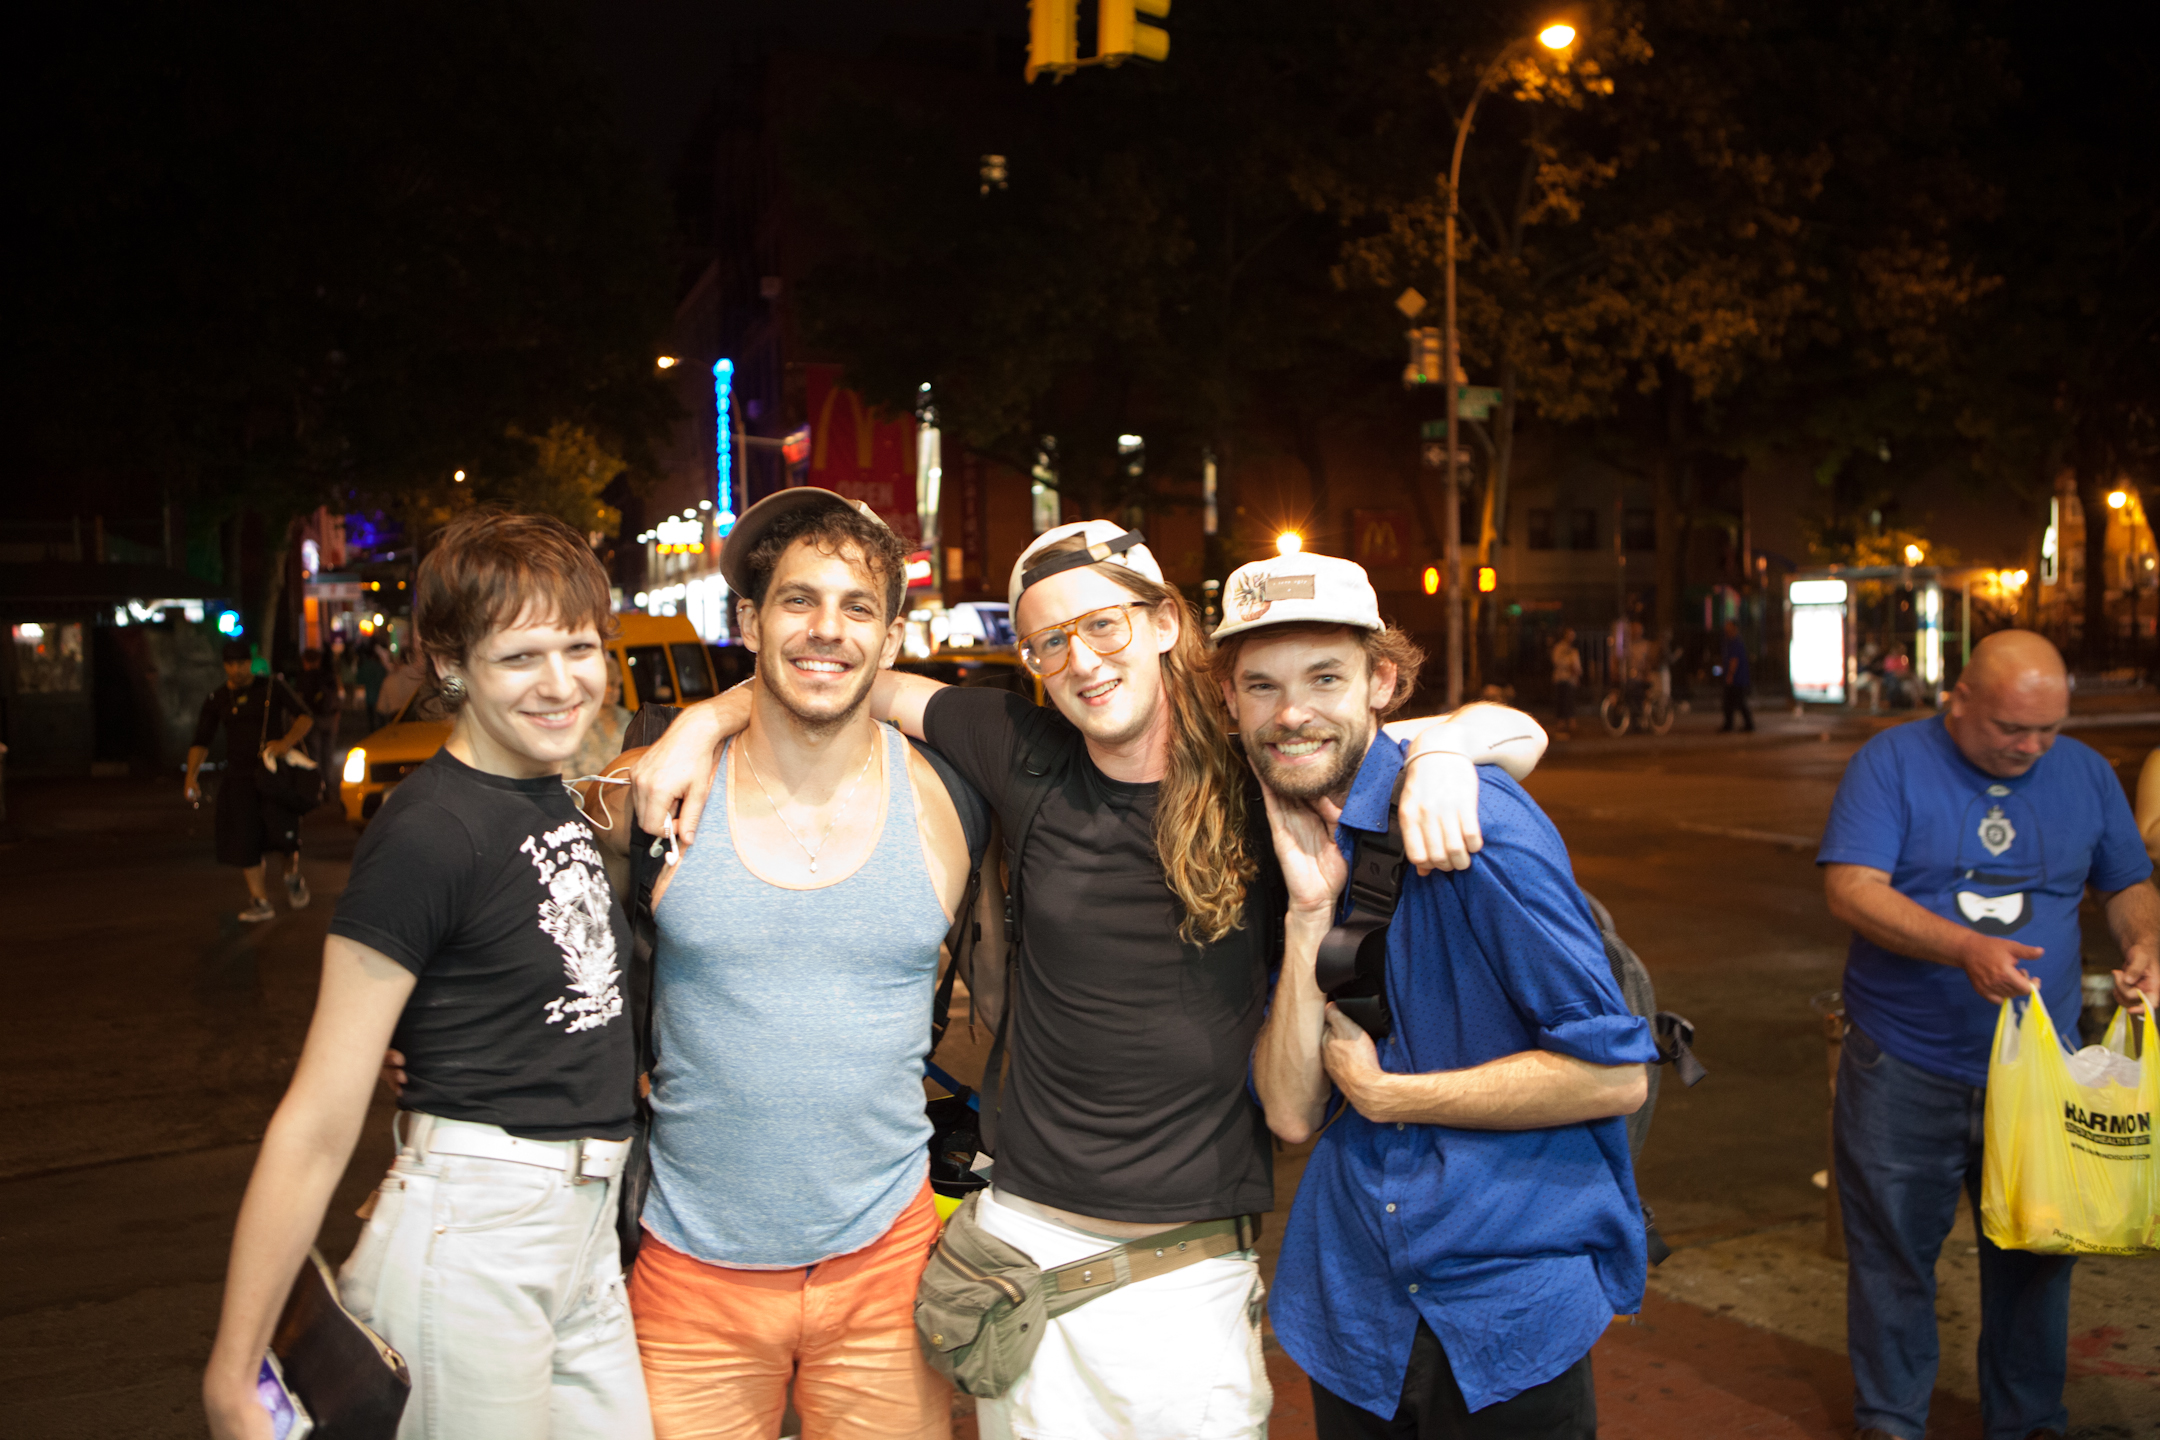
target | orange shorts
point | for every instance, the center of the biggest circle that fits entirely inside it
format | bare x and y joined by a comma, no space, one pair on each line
721,1345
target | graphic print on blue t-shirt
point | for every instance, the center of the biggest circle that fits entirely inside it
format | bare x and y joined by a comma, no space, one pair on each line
2009,857
2001,861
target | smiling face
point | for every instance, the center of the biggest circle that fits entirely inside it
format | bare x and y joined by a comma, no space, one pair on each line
1114,700
531,689
822,634
1307,701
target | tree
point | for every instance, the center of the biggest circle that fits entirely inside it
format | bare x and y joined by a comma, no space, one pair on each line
1739,240
289,256
2062,366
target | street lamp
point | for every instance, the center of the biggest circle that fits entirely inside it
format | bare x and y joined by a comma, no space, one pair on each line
1289,543
1552,37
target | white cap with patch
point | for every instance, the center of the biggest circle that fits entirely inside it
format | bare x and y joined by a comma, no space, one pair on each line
1107,543
1298,589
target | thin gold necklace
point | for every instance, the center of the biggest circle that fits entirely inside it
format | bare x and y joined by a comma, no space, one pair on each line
838,810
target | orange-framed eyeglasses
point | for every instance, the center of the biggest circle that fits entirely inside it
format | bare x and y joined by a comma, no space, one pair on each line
1105,631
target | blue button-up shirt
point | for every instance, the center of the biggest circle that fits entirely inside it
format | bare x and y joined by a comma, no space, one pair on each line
1516,1246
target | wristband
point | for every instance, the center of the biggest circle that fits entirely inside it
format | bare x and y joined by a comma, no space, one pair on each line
1417,755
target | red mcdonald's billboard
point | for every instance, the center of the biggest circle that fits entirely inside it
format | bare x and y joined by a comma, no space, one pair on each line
857,452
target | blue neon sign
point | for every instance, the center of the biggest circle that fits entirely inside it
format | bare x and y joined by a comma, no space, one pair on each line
723,376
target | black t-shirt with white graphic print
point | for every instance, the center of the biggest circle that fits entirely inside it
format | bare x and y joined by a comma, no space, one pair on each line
492,892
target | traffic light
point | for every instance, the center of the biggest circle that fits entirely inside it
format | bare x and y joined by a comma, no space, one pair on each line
1119,33
1053,37
1424,366
1488,579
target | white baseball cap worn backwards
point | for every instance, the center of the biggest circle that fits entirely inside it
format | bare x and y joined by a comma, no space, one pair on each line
1107,543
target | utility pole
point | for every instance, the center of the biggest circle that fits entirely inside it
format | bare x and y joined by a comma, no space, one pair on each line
1553,37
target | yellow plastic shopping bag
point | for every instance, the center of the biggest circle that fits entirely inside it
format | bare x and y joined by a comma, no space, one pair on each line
2069,1166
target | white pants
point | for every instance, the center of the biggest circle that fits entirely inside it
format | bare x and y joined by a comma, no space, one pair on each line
501,1285
1172,1358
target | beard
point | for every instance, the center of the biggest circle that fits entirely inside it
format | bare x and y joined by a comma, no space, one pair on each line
823,714
1302,783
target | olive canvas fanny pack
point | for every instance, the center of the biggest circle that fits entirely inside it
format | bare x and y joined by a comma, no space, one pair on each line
982,1303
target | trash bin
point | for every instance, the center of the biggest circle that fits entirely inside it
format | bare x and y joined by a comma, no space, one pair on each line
1831,1006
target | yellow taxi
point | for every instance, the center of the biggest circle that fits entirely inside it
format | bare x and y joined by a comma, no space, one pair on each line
662,661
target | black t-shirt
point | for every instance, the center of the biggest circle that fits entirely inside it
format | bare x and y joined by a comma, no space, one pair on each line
318,690
263,711
491,891
1126,1099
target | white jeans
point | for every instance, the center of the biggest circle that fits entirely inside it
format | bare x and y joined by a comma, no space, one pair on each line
1172,1358
501,1285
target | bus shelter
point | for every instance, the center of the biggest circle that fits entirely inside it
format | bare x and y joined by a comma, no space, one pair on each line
1893,635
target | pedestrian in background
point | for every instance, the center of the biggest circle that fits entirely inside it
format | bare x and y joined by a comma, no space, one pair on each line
400,685
261,717
1733,670
480,933
1566,677
369,670
1958,849
323,694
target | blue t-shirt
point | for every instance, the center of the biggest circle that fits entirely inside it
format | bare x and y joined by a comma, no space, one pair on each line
1734,662
1516,1246
2004,857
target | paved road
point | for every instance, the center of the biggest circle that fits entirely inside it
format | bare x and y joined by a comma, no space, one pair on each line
152,1037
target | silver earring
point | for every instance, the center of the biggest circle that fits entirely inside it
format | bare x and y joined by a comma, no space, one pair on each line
453,688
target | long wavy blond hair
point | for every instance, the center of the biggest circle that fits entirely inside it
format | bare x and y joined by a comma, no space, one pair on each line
1200,810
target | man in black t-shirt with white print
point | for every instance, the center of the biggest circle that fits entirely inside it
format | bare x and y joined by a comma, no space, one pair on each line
1147,939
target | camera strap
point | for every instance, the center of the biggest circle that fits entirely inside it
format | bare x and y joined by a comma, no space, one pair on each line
1351,967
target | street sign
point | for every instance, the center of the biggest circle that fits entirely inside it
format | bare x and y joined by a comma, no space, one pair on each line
1475,402
1411,303
1436,454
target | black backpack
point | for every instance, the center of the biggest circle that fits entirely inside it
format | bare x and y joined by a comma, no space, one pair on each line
1352,970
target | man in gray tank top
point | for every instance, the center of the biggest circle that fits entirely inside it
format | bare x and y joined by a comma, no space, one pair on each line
797,948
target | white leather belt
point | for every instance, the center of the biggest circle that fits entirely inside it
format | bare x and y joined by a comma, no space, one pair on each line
583,1159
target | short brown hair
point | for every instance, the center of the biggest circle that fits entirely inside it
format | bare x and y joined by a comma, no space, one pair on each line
488,567
1389,644
832,529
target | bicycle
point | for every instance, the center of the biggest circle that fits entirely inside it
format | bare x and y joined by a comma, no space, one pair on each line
1636,707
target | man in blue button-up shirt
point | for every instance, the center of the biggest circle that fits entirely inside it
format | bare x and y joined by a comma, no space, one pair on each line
1467,1230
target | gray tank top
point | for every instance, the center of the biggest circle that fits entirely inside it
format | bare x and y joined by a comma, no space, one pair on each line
792,1026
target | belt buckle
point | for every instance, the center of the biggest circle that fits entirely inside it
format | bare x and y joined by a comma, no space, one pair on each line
577,1161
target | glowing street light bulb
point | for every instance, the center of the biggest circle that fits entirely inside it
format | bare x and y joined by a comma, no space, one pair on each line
1914,555
2117,499
459,477
1557,37
1289,543
665,362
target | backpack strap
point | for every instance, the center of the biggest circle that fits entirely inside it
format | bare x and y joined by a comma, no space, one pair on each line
1351,967
1042,770
974,815
647,725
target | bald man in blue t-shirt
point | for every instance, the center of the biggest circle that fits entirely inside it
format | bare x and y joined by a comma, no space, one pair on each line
1964,844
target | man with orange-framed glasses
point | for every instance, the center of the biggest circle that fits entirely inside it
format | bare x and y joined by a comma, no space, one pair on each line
1152,918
